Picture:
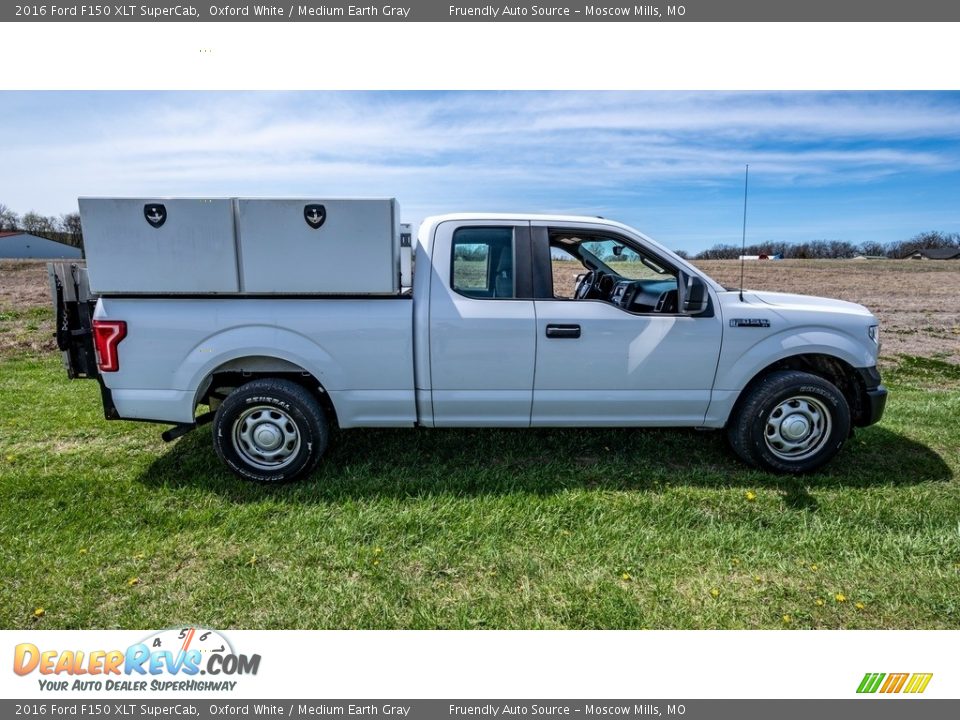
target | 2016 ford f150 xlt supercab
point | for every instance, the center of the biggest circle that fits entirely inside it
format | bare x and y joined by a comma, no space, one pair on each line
286,317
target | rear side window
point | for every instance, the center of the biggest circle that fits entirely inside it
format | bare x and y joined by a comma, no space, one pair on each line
484,263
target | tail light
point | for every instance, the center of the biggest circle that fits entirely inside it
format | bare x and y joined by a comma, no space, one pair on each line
107,334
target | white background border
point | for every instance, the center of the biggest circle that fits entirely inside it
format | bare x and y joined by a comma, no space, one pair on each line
583,56
543,664
676,56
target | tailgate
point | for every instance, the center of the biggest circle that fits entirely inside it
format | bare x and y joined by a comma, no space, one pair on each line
74,305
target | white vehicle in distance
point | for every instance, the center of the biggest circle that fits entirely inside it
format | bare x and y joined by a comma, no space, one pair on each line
278,319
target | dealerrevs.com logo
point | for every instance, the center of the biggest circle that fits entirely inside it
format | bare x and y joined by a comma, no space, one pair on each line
179,659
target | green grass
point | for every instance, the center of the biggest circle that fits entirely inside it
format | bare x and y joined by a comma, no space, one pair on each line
482,528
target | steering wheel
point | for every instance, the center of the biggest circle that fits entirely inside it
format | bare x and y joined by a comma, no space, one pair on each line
585,286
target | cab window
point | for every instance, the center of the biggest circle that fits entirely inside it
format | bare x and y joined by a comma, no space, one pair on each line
483,263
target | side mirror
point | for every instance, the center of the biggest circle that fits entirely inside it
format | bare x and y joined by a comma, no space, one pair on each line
695,296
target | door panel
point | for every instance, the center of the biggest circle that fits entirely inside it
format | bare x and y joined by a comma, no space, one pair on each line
623,369
482,347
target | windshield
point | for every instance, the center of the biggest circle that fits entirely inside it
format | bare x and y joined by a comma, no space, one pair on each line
612,256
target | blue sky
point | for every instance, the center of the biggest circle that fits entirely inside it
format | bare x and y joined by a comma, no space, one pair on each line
823,165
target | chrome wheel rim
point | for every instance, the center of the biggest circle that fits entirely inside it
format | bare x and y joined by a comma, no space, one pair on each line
797,428
266,437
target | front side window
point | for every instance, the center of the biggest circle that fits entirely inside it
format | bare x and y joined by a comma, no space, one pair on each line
483,263
592,267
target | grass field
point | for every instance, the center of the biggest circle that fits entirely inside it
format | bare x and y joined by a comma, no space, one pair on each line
106,526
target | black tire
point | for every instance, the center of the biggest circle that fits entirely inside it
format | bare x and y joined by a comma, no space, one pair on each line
790,422
270,431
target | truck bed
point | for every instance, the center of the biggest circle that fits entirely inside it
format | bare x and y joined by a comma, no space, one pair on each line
359,350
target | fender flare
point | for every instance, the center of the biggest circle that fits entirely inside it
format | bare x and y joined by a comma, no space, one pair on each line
814,340
260,341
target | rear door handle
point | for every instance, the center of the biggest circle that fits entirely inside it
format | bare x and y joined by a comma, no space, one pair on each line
563,331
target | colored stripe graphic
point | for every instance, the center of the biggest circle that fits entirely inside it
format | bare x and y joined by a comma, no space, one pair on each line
870,683
894,683
918,683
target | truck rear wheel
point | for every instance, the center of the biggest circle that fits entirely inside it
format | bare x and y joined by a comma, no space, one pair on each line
270,431
790,422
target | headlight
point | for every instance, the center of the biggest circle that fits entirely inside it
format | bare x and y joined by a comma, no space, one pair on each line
874,332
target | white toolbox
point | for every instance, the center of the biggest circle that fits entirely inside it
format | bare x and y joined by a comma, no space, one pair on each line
307,246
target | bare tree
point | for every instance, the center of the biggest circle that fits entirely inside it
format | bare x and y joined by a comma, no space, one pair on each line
69,224
9,220
872,247
38,224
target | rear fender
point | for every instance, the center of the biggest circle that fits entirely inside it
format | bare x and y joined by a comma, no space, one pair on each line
261,341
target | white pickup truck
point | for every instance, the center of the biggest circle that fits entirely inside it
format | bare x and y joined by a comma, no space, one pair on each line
277,319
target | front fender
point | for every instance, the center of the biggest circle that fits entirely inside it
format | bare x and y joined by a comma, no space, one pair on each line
738,366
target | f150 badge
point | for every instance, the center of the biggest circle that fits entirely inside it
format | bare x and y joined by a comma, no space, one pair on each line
750,322
155,213
314,215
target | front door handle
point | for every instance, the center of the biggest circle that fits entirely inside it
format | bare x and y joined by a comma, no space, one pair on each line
563,331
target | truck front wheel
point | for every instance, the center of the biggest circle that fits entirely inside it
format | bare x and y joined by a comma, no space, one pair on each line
270,431
790,422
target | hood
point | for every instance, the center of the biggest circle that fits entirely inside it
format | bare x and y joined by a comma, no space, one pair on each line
789,301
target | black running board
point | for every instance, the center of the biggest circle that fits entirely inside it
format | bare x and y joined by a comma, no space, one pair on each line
183,428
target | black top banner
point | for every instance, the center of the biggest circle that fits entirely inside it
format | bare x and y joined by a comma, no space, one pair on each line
445,11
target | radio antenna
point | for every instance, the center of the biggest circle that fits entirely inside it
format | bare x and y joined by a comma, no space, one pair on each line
743,238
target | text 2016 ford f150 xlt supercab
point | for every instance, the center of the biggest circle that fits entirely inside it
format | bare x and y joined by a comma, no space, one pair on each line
285,317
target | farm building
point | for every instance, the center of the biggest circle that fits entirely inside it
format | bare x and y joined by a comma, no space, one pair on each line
935,254
23,246
762,256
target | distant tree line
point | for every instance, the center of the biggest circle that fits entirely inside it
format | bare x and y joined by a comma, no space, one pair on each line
64,228
825,249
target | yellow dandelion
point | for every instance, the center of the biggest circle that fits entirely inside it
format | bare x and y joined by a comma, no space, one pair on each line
11,458
626,577
138,556
376,562
83,551
39,613
787,619
814,567
133,581
750,495
859,606
714,592
818,602
840,597
757,578
377,550
735,561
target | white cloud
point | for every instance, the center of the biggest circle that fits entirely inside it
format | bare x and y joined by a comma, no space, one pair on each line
443,151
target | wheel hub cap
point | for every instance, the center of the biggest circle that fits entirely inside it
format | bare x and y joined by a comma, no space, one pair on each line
797,428
794,427
266,437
